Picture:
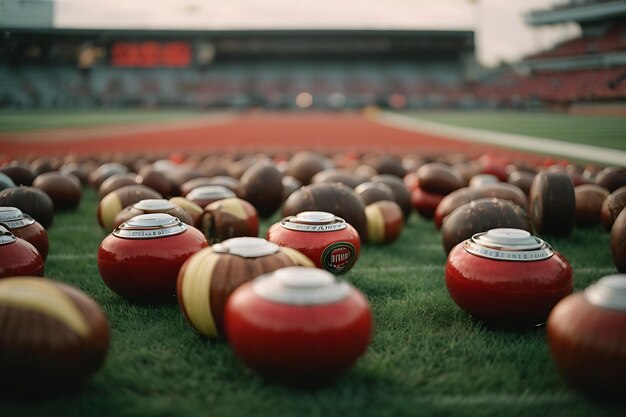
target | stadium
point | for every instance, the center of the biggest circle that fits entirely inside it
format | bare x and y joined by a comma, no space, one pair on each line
405,116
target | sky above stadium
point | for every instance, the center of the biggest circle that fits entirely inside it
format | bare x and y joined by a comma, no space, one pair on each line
501,33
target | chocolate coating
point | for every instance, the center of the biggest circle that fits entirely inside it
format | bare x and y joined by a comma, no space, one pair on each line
156,180
553,204
19,174
522,179
401,194
51,345
612,206
32,201
439,178
387,164
117,200
480,216
501,190
372,192
305,164
228,218
342,176
334,198
65,190
115,182
611,178
618,241
262,186
589,199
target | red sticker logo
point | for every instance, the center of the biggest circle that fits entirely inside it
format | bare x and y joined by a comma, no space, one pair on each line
339,257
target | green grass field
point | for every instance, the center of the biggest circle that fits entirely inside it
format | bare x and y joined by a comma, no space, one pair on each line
426,358
604,131
28,120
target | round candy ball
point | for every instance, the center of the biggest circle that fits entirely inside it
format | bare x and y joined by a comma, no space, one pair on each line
439,178
464,195
115,182
480,216
298,325
507,277
191,208
19,174
305,164
589,199
5,181
140,260
262,186
553,203
334,198
425,202
65,190
25,227
618,242
207,194
342,176
18,257
612,206
30,200
611,178
371,192
150,206
401,194
587,338
53,336
208,278
228,218
104,171
385,222
117,200
327,240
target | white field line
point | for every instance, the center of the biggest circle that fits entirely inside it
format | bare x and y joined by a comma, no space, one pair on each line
508,140
70,133
76,227
602,270
494,399
71,256
412,268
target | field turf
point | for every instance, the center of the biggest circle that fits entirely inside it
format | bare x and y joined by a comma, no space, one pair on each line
605,131
21,121
426,357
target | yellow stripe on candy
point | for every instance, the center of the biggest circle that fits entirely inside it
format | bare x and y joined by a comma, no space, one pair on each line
111,206
196,291
42,296
233,207
298,257
375,224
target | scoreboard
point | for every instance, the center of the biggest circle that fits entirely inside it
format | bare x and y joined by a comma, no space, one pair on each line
151,54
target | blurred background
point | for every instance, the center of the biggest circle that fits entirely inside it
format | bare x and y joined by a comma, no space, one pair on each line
331,55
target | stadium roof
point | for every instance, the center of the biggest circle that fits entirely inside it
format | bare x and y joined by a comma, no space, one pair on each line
578,11
269,41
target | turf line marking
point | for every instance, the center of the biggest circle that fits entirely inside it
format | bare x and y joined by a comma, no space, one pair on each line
604,270
73,227
414,268
507,140
71,256
494,399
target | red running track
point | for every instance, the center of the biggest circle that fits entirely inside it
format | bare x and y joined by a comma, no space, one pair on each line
260,132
